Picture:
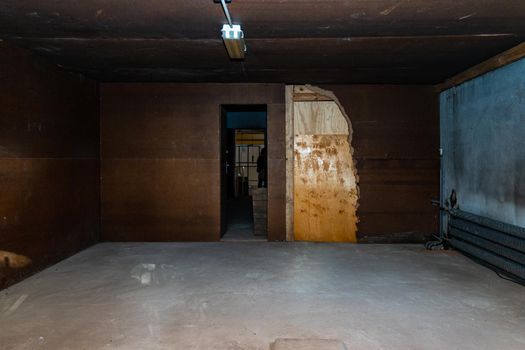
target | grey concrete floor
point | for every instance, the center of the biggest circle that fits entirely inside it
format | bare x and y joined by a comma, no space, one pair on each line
247,295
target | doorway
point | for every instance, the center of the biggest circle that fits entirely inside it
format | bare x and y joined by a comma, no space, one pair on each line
243,173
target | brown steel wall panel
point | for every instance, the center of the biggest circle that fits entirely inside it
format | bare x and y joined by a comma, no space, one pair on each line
45,208
45,111
160,159
49,167
165,126
160,197
396,141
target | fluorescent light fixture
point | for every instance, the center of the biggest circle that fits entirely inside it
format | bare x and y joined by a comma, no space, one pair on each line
233,38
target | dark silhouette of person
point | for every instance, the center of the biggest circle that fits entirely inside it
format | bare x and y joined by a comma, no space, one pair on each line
261,168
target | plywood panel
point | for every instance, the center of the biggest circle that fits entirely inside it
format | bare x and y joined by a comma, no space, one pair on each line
325,189
325,181
319,118
307,93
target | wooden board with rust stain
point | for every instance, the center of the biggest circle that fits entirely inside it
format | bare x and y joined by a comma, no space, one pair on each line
325,193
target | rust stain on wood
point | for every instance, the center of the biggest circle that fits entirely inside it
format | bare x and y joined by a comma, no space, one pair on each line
325,193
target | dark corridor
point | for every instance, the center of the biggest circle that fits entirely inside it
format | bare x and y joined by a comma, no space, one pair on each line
243,144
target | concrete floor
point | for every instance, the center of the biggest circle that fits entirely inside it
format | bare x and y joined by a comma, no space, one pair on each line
247,295
240,226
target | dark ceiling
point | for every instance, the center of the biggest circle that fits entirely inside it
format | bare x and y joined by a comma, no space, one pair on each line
294,41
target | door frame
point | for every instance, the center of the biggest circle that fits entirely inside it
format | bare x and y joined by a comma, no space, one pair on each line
223,139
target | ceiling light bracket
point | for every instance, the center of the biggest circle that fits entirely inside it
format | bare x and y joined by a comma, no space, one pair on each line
232,35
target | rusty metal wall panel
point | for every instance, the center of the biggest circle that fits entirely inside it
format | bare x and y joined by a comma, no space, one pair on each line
49,168
396,141
160,159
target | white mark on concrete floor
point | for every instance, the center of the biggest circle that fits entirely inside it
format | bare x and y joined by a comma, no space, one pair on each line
368,339
156,314
202,311
143,273
251,331
16,304
150,328
235,345
152,274
520,340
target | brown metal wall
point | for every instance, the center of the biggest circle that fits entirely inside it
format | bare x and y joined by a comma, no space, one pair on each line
49,169
160,159
396,141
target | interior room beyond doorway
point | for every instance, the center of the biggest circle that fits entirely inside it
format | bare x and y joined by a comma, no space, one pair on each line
245,172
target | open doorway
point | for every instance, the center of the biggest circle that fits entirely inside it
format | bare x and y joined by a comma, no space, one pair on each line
244,173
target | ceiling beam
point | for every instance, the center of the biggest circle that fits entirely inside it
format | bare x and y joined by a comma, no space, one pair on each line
491,64
280,39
